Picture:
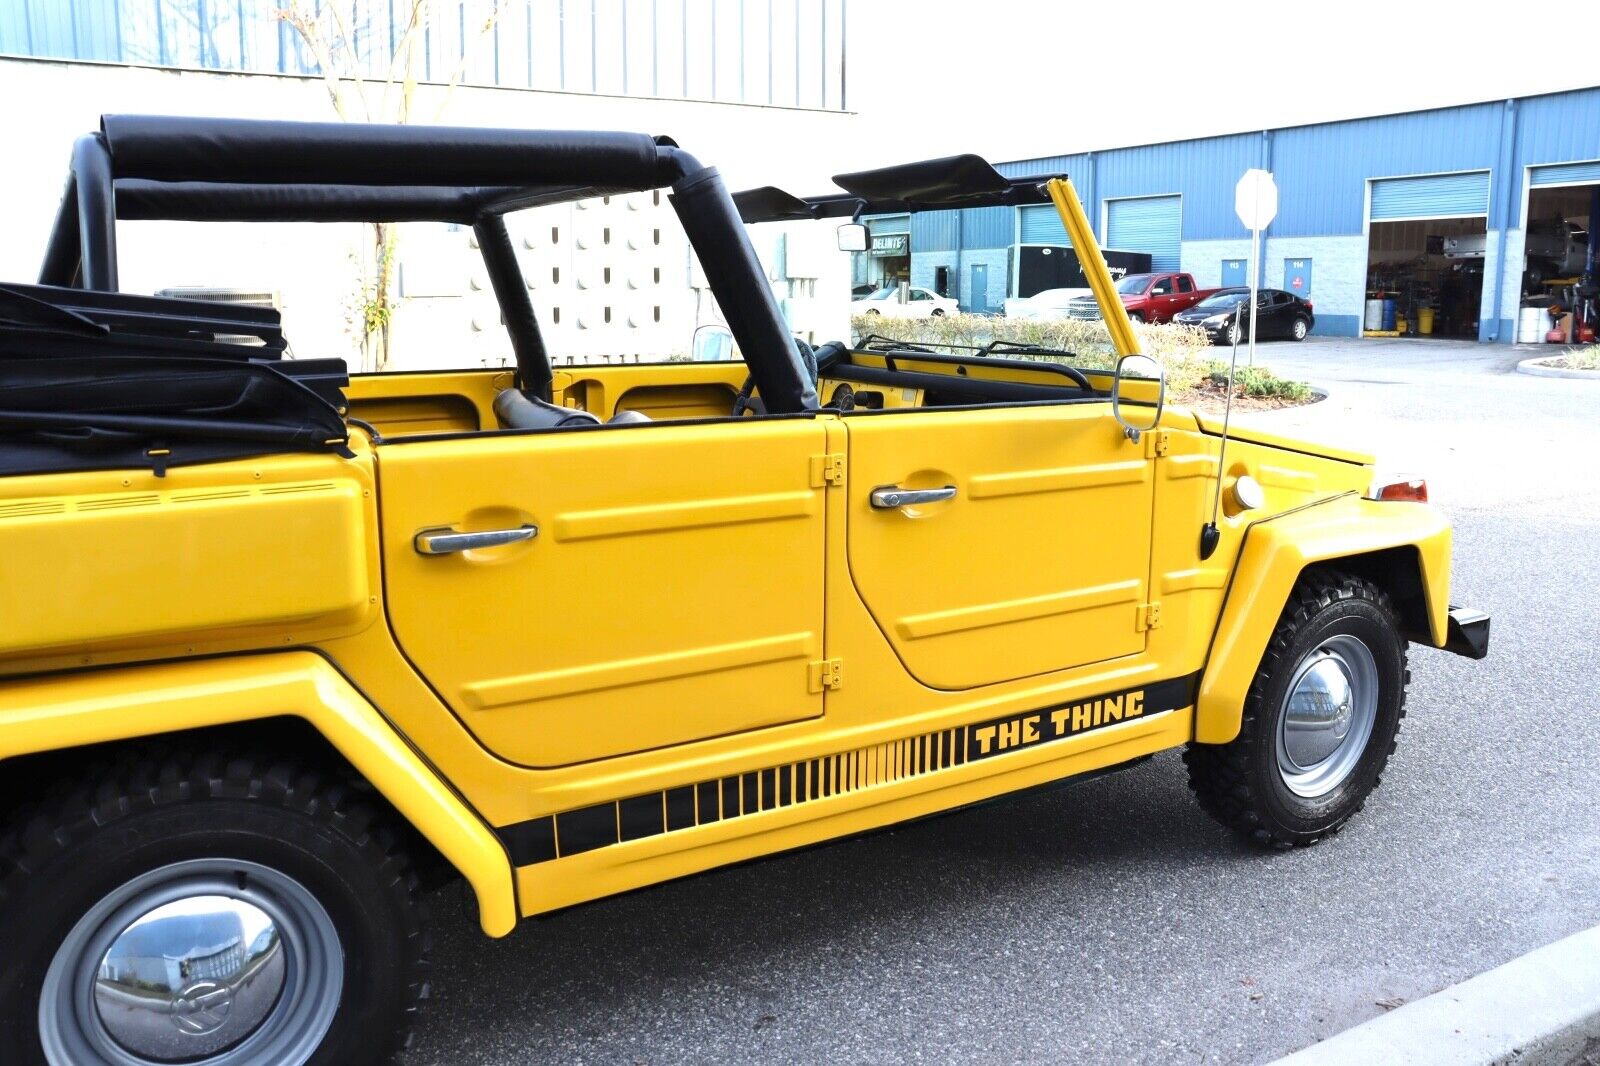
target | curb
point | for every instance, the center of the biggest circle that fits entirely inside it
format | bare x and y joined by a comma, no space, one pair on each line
1541,1008
1531,366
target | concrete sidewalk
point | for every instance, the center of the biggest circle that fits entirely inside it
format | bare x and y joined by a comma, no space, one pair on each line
1542,1008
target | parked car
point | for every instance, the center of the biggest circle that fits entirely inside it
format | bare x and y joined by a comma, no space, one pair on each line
1148,297
1279,314
920,303
1051,303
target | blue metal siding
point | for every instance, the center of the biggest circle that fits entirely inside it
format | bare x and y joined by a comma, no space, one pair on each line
1152,224
1433,196
1041,224
988,227
1566,174
1322,170
935,231
1203,171
1557,129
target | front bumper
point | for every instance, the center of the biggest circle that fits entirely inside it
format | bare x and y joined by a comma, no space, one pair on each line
1468,633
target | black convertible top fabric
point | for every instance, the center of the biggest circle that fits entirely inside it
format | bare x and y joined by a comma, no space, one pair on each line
99,412
926,185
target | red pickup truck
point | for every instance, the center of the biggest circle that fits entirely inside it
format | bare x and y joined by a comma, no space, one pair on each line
1148,297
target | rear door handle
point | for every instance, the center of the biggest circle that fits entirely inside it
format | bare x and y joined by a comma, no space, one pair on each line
446,540
892,496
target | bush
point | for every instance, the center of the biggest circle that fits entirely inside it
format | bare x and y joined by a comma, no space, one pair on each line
1259,381
1183,350
1587,358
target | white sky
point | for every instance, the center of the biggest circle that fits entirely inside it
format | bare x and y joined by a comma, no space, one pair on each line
1010,79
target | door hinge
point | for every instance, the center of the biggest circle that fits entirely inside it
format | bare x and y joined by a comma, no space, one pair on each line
824,674
827,470
1149,617
1160,441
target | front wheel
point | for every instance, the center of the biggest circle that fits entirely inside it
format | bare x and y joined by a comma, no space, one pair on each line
1319,722
209,910
1136,316
1235,334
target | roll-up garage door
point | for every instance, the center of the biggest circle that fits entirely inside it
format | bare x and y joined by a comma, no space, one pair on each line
1041,224
1152,224
1566,174
1432,196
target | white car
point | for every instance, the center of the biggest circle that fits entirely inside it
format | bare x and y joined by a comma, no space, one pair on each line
1049,303
920,303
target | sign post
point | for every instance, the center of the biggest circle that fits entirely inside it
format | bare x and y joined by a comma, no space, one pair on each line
1255,201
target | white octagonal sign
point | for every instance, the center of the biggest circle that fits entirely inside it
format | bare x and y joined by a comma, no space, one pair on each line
1255,199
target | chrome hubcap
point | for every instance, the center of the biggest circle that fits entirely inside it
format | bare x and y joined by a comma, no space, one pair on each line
208,961
1327,716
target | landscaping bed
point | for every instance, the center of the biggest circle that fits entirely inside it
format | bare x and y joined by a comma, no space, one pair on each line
1196,377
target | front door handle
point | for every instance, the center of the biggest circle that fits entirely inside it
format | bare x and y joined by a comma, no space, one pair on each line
892,496
445,541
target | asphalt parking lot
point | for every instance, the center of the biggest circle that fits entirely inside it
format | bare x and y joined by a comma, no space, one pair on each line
1110,920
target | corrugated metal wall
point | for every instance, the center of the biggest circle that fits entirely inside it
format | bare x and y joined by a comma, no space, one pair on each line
786,53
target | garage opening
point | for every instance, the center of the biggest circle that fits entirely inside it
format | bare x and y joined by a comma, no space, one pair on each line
1558,283
1426,243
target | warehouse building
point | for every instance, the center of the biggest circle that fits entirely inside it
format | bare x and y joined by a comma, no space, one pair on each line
1453,214
611,278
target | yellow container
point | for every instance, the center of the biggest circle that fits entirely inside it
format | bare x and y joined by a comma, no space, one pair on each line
1400,324
1425,320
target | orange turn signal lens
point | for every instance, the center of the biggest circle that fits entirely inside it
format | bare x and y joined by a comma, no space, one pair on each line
1414,489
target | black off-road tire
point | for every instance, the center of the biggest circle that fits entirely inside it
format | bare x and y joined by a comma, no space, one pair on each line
148,810
1239,783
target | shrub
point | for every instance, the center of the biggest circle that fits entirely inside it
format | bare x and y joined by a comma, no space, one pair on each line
1586,358
1183,350
1259,381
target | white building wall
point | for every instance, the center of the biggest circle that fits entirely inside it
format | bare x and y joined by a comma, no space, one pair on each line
621,295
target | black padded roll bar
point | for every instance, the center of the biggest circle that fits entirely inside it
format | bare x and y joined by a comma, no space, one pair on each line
714,228
511,290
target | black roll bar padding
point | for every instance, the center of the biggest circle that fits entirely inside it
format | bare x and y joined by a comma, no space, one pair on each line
511,292
739,281
97,213
256,151
62,255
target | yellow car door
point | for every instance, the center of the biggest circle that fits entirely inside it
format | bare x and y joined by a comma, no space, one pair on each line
1000,543
644,586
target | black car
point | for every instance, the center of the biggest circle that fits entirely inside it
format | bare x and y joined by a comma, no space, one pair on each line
1278,314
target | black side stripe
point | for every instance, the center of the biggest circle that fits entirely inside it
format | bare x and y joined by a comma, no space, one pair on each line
685,806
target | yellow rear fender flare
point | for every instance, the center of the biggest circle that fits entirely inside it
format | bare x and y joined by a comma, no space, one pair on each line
1360,533
73,710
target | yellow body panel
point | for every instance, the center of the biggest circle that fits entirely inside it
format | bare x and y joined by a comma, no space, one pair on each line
1276,552
715,647
1040,561
52,713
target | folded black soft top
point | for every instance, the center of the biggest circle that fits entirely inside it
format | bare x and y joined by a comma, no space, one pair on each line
97,380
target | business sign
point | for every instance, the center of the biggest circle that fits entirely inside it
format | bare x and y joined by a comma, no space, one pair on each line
890,245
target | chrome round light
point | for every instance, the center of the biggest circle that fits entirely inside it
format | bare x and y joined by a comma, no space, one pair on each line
1248,495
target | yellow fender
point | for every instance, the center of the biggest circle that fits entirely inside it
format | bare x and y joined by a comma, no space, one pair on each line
1275,552
67,711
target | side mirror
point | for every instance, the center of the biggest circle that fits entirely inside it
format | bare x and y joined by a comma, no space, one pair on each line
1140,383
852,237
713,344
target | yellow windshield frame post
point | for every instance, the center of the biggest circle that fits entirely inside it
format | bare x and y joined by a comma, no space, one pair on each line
1070,208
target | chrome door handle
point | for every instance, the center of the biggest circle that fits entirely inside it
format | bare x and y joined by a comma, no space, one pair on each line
891,496
446,540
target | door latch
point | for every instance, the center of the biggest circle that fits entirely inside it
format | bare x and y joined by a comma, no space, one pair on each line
445,541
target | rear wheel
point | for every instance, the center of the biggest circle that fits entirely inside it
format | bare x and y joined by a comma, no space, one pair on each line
1319,722
207,910
1299,330
937,312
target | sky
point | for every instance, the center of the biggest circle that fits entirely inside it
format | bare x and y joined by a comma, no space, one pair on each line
1012,79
